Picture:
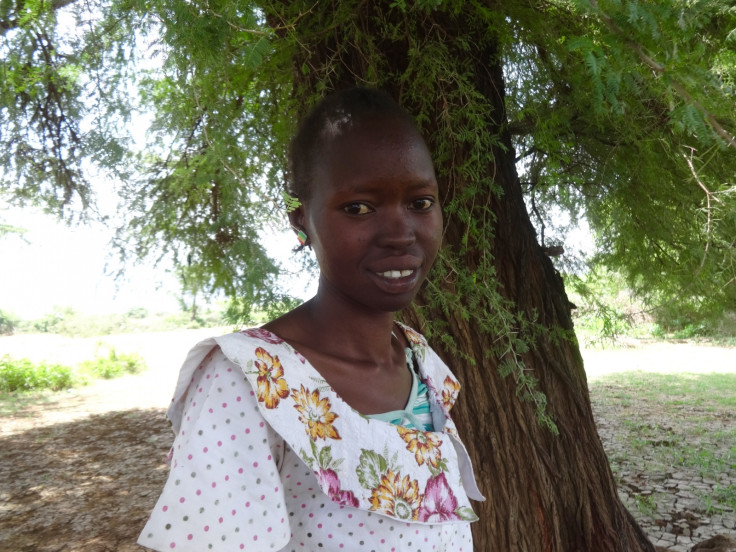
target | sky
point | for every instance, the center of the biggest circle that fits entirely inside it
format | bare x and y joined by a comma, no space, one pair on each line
57,265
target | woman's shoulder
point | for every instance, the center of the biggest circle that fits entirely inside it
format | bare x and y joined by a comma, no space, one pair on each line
260,334
253,337
249,345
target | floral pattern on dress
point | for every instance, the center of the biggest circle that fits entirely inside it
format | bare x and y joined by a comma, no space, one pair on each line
271,385
397,496
439,503
314,412
329,480
264,335
416,341
450,391
406,474
426,448
413,336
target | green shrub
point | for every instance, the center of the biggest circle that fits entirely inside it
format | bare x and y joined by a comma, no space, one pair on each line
8,322
114,365
137,312
692,330
24,375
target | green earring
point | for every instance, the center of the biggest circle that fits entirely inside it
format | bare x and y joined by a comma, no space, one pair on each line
302,237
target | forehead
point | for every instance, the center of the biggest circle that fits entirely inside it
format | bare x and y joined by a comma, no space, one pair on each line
375,147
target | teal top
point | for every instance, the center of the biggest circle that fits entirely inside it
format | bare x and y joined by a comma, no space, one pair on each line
416,414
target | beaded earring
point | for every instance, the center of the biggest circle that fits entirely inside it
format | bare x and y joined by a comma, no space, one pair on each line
302,237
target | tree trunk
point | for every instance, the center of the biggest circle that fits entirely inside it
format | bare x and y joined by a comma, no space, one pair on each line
545,492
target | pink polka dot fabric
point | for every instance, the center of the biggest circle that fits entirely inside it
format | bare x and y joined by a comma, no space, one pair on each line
235,484
224,490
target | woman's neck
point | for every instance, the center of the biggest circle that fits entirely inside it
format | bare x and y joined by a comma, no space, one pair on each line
335,326
352,329
351,346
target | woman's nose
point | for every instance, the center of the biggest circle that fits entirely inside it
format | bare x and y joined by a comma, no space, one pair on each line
396,228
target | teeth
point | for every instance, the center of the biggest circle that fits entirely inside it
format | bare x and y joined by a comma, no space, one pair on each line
396,273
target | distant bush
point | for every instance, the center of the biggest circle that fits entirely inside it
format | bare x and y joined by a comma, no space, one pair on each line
24,375
137,312
686,324
49,323
67,321
607,310
114,365
8,323
184,320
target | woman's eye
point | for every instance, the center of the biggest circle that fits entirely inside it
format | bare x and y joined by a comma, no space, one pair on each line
422,204
357,209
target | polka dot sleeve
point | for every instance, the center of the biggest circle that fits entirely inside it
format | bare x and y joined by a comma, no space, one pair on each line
224,492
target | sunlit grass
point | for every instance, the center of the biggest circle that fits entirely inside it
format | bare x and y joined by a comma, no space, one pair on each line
668,423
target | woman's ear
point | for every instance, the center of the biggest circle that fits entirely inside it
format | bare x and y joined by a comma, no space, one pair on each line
296,218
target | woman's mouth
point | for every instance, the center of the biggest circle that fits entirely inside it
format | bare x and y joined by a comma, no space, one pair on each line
395,274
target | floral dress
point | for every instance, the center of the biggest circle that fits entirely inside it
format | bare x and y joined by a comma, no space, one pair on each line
268,457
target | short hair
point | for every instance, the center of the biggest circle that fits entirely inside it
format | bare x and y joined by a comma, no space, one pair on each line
329,119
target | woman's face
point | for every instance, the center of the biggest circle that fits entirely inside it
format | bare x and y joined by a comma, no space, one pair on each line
373,216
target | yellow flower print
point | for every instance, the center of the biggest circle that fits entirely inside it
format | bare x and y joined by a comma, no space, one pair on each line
413,337
450,390
396,496
314,412
272,386
423,444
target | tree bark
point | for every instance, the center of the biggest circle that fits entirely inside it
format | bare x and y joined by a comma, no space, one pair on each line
545,492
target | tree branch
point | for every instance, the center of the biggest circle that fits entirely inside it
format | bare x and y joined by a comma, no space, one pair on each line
661,70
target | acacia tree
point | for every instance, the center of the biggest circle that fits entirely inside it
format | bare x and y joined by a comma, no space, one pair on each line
617,111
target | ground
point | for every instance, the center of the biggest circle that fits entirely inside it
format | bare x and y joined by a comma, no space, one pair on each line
81,470
672,442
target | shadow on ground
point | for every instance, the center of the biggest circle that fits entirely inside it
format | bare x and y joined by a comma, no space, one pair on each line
87,485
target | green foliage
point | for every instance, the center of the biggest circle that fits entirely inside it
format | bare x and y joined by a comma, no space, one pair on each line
722,494
8,322
137,313
57,321
113,365
647,505
206,318
61,108
20,375
209,172
607,308
634,142
24,375
240,313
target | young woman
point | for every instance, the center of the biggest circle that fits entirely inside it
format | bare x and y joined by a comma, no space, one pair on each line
329,427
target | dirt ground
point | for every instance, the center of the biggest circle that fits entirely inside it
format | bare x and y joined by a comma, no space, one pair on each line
81,470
